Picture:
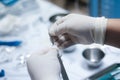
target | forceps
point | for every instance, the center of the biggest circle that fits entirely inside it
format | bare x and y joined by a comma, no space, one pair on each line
63,71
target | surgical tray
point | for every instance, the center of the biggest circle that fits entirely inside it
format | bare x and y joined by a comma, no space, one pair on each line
110,73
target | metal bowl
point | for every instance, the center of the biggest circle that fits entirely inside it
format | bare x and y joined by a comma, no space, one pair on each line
57,16
93,56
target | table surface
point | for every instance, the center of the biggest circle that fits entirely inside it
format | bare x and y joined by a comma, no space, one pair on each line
34,37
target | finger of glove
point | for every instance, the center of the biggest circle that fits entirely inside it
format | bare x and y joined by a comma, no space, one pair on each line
61,20
62,39
54,39
41,52
52,30
52,52
57,30
66,44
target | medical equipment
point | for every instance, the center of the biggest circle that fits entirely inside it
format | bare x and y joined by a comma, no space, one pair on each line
93,56
63,71
110,73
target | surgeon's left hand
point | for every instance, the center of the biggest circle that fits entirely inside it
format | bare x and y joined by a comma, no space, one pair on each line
44,65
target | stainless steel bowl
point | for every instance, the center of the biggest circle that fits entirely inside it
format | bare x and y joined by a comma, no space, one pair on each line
93,56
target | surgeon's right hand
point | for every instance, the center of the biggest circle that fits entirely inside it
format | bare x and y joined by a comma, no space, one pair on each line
74,28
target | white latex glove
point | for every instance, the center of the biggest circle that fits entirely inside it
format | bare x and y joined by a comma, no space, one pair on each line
75,28
44,65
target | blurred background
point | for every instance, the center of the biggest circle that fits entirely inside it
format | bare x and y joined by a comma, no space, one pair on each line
24,30
74,6
107,8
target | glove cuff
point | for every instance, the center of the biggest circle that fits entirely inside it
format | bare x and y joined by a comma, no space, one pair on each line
100,30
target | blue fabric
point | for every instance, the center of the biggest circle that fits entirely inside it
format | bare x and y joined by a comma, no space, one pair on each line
8,2
10,43
107,8
2,73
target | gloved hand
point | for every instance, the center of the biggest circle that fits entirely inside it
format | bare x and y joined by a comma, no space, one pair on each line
44,65
75,28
